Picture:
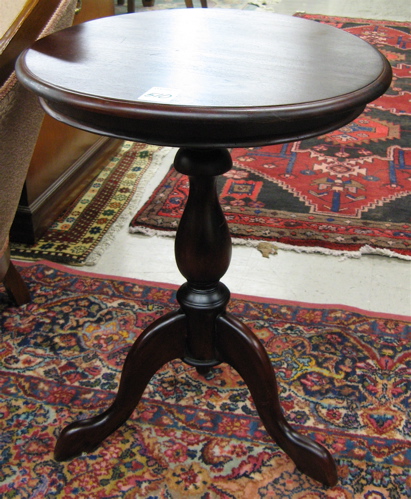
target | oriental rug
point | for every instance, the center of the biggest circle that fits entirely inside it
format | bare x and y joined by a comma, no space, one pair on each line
344,379
81,233
345,192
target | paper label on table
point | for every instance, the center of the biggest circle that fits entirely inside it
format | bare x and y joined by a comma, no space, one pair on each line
159,94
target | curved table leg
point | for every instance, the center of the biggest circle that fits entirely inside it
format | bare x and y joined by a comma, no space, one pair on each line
13,282
160,343
239,347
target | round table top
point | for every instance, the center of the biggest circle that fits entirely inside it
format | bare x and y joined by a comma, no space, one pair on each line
204,77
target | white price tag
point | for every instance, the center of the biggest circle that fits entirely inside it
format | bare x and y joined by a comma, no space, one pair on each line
159,94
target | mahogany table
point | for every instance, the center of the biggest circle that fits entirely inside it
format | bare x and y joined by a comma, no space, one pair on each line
204,81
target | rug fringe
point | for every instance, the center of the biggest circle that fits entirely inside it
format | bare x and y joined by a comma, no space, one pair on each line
363,251
129,211
146,231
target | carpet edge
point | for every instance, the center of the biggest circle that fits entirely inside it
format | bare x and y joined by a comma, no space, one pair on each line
238,296
128,211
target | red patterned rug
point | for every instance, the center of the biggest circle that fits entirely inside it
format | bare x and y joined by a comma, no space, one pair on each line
344,379
347,191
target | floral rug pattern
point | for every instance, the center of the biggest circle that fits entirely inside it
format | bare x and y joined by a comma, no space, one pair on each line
344,378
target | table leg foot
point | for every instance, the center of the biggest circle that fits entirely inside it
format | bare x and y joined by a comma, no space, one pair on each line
160,343
238,346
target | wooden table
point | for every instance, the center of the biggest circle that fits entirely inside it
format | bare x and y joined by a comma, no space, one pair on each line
204,81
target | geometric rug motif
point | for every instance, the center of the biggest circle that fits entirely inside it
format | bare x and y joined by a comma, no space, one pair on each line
341,191
76,236
344,379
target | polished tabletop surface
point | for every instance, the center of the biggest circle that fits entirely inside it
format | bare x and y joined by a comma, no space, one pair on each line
230,69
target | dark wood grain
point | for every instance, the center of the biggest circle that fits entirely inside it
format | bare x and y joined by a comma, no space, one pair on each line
203,251
243,78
